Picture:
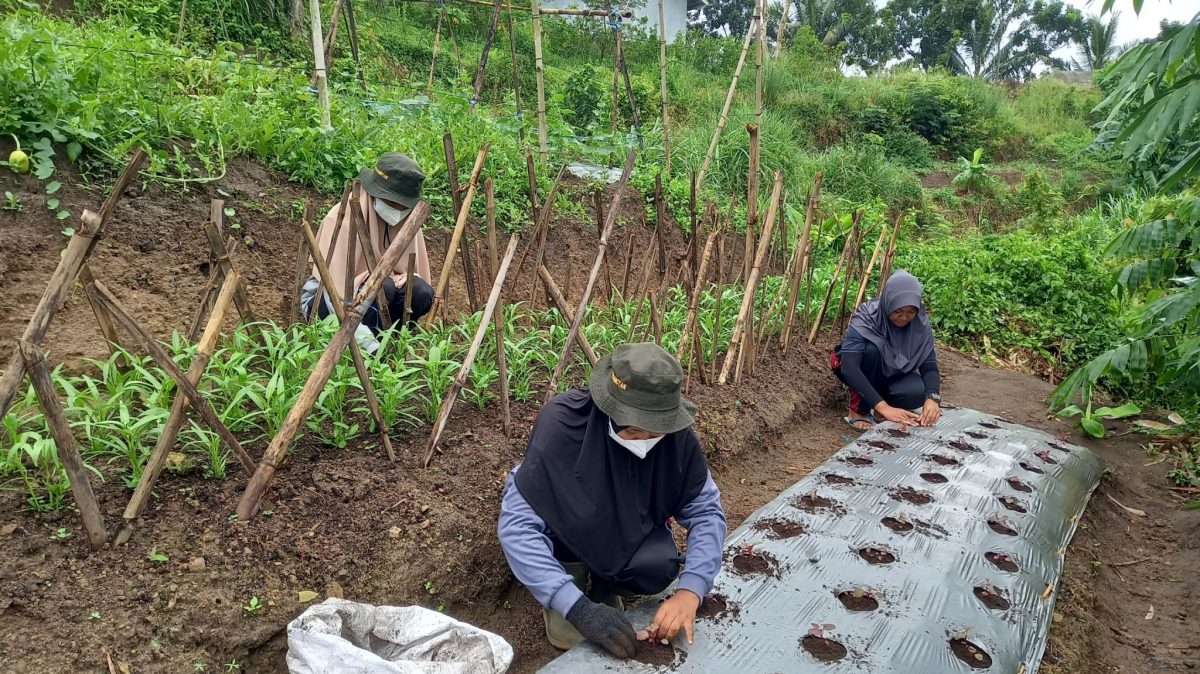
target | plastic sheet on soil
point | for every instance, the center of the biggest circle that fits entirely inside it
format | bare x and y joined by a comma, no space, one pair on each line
945,604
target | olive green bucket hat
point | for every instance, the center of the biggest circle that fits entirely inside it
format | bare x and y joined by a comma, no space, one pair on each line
394,177
640,385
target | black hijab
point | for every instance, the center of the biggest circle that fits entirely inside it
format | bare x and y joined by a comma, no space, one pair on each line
902,350
597,498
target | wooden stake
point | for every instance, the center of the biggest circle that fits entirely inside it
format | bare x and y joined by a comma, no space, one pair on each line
331,36
660,224
783,22
483,55
720,301
739,328
643,287
452,174
160,356
437,38
211,288
539,70
314,11
866,275
498,313
847,249
662,88
358,231
885,269
512,50
104,319
694,303
63,279
182,17
178,415
469,360
655,319
586,297
716,137
408,312
623,67
64,442
353,26
628,265
751,201
560,303
277,450
459,226
760,23
541,228
212,229
360,366
319,298
800,257
856,234
302,269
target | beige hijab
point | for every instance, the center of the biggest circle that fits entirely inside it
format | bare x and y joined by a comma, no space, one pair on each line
380,234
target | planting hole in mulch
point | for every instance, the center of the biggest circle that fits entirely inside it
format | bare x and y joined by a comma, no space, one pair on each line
977,435
834,478
811,502
943,460
876,555
748,561
897,432
1061,448
935,478
897,524
913,496
991,597
882,445
718,607
859,460
1016,483
1002,561
779,527
858,599
825,650
1031,468
971,654
654,653
1013,504
1001,526
964,446
989,424
1045,457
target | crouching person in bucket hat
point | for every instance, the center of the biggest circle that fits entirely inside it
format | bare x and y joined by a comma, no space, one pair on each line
390,190
584,520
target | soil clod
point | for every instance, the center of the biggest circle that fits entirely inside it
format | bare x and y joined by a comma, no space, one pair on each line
991,597
718,607
943,460
1001,526
653,653
1002,561
859,460
971,654
858,599
913,496
825,650
749,561
812,503
1016,483
897,524
935,478
780,527
875,555
834,478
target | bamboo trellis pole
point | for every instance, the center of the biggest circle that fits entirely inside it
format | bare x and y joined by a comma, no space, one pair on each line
469,360
720,301
885,268
760,22
623,67
497,314
800,266
331,36
437,39
337,230
716,137
560,303
358,230
483,56
512,51
104,319
866,275
586,297
440,294
628,266
843,261
740,326
694,304
783,22
352,25
643,287
314,11
302,271
662,86
751,200
539,71
855,256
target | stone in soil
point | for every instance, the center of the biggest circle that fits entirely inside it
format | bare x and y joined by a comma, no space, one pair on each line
914,496
718,607
779,527
1031,468
897,524
825,650
1016,483
991,598
1002,561
943,460
750,562
971,654
935,478
1013,504
653,653
858,600
813,502
1001,527
876,555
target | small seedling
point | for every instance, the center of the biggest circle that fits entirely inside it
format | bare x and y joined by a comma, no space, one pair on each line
199,667
94,615
267,513
68,231
252,606
233,666
441,607
61,534
156,556
232,517
429,586
11,202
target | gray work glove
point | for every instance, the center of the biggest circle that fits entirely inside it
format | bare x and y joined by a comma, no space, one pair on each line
604,626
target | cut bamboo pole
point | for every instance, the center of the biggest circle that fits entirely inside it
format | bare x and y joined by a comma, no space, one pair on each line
408,296
662,87
314,12
63,279
212,229
64,442
337,230
459,226
302,269
331,36
885,268
740,326
751,201
623,67
643,287
160,356
539,71
849,277
352,26
598,204
437,39
656,319
104,319
760,23
800,265
469,360
498,313
211,287
716,137
456,199
720,301
660,224
360,366
586,297
783,22
358,231
516,73
866,275
178,415
843,260
560,303
351,255
694,303
541,229
628,266
277,450
493,22
788,271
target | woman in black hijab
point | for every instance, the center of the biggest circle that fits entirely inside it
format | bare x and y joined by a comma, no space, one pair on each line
887,359
585,517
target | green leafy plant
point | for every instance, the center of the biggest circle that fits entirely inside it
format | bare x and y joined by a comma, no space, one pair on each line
972,175
156,556
252,606
1091,420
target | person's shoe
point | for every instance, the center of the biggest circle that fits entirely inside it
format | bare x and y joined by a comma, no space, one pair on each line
604,593
562,634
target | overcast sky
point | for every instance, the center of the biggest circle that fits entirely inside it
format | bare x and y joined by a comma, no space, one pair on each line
1137,26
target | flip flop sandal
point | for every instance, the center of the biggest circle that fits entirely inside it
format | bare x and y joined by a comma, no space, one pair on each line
851,423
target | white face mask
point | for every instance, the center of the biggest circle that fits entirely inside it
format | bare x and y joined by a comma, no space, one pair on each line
390,215
639,448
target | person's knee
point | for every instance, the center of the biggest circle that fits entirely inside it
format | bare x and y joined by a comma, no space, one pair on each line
906,392
651,575
422,296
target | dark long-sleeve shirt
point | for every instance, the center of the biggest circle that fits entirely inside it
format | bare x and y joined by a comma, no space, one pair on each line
851,352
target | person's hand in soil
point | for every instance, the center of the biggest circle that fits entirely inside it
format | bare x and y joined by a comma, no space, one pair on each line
677,612
604,626
931,411
897,415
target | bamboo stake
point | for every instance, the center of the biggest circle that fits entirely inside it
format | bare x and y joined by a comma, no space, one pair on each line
351,256
720,301
483,56
63,279
337,230
751,201
586,297
277,450
694,303
353,26
452,174
660,206
541,229
512,50
331,36
783,22
847,248
866,275
498,314
412,265
739,326
160,356
628,265
464,211
539,71
662,86
360,365
779,294
760,23
182,17
206,300
469,360
560,303
314,11
358,231
856,234
598,204
437,38
885,269
166,439
624,68
800,265
655,319
643,287
716,137
224,260
302,270
64,442
104,319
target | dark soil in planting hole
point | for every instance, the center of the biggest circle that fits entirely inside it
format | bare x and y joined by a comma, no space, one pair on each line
897,433
1016,483
992,599
1031,468
989,424
971,654
825,650
977,435
863,602
882,445
780,527
1055,445
653,653
1045,457
913,496
750,562
943,460
1013,504
858,460
812,503
1002,561
1001,527
876,555
896,524
718,607
834,478
964,446
935,478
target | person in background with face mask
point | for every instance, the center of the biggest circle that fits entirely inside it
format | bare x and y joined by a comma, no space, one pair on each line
584,520
390,190
888,361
